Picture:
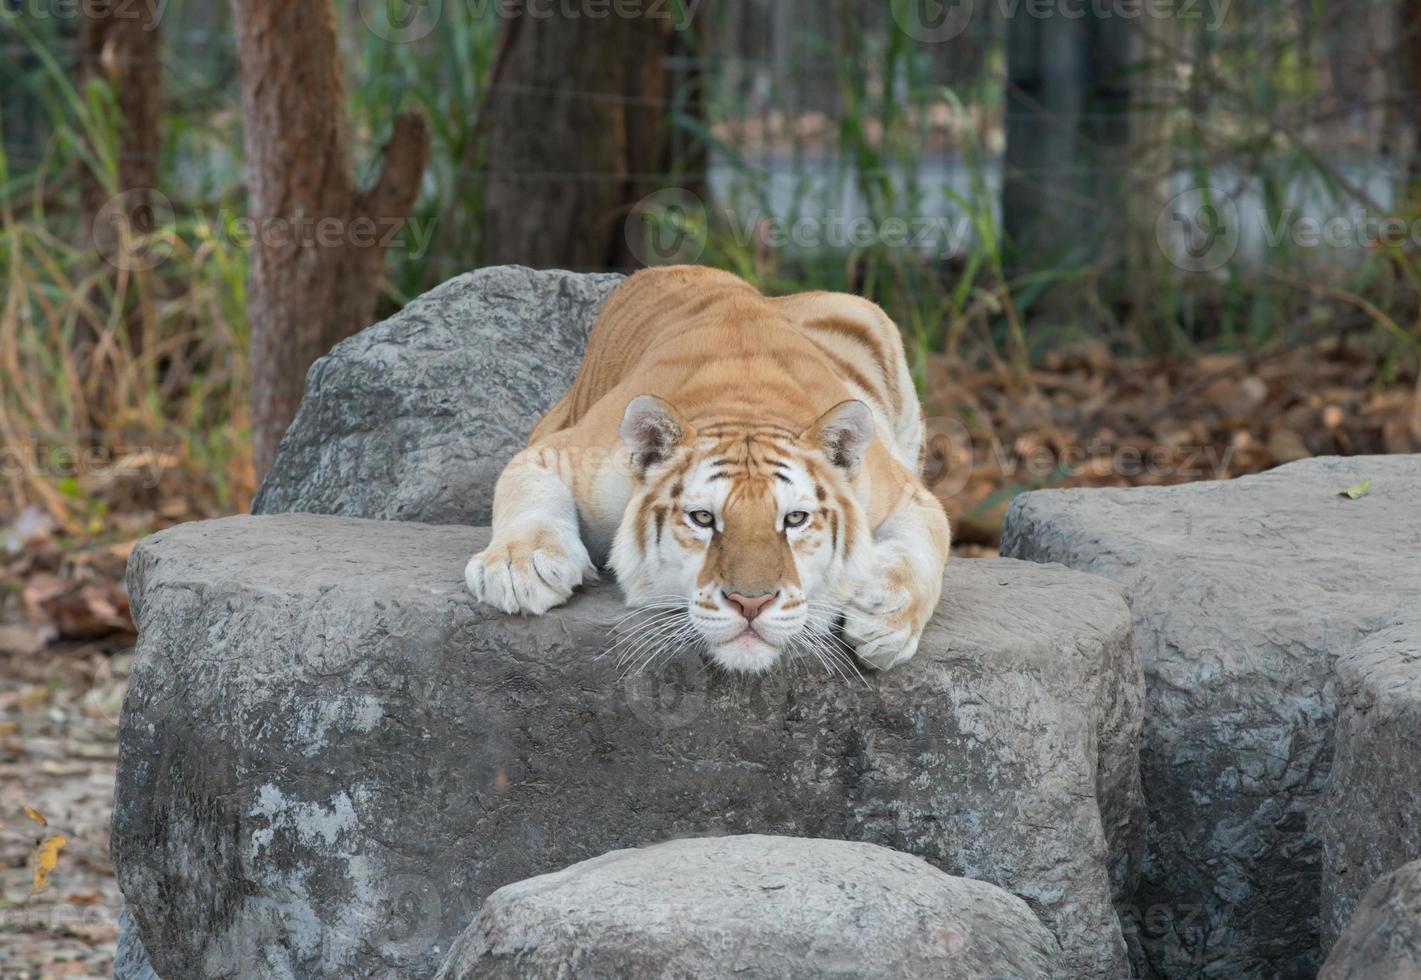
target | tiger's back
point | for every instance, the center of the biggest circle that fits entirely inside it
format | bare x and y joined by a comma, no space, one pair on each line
723,351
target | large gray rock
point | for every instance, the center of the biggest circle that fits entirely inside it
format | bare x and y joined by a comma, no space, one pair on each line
1245,593
330,755
752,907
413,418
1384,940
130,958
1370,816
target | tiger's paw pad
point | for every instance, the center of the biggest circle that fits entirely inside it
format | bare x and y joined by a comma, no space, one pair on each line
530,573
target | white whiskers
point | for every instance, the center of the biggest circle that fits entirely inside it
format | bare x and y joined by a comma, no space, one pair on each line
656,630
822,634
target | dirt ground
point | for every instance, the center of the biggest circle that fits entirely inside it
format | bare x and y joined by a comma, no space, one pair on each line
58,745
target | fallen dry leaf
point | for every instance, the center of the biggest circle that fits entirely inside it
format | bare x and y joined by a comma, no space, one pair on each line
36,816
46,858
70,609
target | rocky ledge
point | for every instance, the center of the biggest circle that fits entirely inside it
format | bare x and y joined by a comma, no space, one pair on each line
330,756
1246,596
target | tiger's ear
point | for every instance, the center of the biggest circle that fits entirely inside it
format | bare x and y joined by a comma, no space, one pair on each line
843,433
651,428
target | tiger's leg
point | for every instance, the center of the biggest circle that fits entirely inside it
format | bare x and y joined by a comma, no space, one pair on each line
536,556
886,618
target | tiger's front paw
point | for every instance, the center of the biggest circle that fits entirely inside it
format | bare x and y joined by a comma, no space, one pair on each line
885,619
881,627
530,572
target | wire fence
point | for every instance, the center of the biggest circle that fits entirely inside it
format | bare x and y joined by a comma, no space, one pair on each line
1038,101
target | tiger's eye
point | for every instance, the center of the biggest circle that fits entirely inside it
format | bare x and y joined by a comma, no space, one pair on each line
702,518
796,518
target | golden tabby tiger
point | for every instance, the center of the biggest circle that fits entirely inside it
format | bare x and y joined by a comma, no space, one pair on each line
751,464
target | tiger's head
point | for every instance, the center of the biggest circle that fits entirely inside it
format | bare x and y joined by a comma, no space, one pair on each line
751,530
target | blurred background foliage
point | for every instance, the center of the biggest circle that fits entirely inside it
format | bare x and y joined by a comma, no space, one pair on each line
1028,159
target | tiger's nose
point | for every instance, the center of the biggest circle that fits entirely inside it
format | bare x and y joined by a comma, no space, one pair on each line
750,606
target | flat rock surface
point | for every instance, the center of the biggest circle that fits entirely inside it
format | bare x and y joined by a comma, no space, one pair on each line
330,755
412,419
752,907
1245,594
1383,941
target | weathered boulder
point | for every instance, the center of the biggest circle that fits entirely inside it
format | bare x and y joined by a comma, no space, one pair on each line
1384,940
1244,593
130,961
330,755
413,418
1370,817
754,907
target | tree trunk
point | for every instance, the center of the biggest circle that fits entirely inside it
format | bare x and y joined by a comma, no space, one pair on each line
319,240
576,122
1411,36
119,44
1156,92
1067,136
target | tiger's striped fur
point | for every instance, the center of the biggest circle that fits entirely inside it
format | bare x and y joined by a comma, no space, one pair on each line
790,424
